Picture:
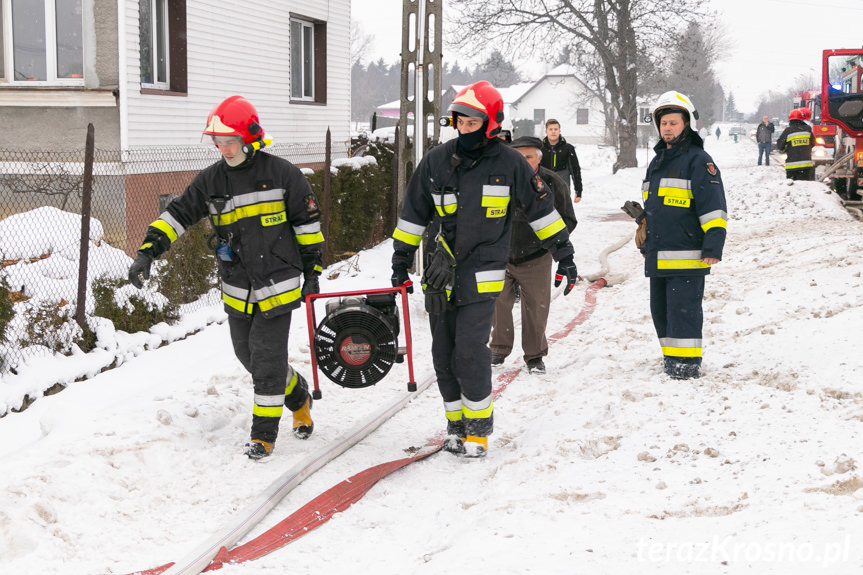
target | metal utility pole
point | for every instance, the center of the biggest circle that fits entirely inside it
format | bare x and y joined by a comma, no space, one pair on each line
422,28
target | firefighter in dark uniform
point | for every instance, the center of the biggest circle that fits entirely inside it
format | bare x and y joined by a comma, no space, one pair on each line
685,222
796,143
268,240
466,189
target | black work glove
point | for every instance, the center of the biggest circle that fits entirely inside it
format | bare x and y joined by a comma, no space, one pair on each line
435,300
566,268
400,278
441,269
311,286
140,270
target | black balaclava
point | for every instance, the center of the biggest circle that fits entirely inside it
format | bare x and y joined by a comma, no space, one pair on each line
471,145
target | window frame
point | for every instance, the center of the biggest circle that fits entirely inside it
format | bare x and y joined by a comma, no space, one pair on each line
310,27
154,48
582,116
176,49
8,49
317,61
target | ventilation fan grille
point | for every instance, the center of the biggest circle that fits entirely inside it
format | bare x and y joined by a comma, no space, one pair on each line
355,346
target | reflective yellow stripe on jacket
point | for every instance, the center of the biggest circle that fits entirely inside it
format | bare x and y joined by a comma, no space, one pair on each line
547,226
411,234
680,260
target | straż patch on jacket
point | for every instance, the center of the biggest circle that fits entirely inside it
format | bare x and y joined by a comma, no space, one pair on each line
711,168
538,184
311,204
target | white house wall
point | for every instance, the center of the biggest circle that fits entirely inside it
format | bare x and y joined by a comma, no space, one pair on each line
245,51
561,96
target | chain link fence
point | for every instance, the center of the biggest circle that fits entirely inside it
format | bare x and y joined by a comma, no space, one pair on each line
40,223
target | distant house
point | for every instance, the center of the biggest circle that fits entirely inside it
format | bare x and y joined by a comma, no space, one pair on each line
146,73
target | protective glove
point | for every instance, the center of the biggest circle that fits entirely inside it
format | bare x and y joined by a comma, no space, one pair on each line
566,268
436,300
641,234
632,209
140,270
311,286
441,269
400,278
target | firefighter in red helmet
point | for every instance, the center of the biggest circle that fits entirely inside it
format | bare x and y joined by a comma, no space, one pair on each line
268,241
466,189
796,143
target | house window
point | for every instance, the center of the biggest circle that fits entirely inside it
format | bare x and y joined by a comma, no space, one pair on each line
308,61
644,116
581,116
41,42
162,46
539,115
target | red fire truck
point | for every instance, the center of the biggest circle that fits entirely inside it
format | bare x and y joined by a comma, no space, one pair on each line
842,105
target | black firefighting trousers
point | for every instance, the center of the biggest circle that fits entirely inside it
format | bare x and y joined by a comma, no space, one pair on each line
261,345
675,304
462,362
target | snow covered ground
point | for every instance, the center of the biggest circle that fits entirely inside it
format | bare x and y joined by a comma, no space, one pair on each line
601,466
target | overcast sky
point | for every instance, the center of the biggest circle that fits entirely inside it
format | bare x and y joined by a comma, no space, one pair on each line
772,42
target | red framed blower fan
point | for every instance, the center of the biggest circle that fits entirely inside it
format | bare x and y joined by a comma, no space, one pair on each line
357,342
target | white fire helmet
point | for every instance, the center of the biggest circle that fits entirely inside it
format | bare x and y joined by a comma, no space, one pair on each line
673,101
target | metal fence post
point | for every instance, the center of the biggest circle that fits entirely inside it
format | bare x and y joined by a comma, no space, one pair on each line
86,196
325,207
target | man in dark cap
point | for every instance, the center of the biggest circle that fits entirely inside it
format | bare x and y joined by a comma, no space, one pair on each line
529,267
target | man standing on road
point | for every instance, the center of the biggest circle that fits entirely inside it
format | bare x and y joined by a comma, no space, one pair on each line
560,156
467,189
764,137
530,266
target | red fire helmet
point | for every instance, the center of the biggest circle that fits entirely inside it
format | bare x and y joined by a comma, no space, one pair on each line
235,116
480,100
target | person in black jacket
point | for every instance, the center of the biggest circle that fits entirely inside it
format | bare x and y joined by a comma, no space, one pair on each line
560,156
529,266
685,219
796,142
764,137
268,238
467,189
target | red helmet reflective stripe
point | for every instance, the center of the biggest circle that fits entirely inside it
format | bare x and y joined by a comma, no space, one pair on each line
795,114
235,116
480,100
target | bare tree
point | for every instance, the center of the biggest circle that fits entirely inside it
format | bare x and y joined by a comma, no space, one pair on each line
361,44
618,31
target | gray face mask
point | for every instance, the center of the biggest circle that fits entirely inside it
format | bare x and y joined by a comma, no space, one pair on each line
237,159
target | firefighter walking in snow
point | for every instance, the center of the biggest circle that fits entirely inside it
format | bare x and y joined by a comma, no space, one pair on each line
796,143
467,188
268,238
685,221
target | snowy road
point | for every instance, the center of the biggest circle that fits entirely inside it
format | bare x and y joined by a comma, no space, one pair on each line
601,466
